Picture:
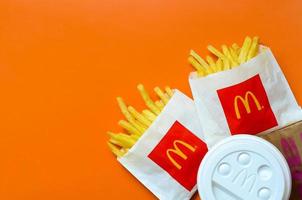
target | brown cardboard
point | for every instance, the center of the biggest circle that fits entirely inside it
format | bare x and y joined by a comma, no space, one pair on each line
289,141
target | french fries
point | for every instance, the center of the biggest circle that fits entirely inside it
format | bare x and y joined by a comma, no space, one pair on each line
226,59
135,122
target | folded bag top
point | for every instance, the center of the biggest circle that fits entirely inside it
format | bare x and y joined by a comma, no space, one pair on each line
252,98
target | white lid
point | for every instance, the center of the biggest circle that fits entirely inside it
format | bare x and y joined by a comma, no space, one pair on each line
244,167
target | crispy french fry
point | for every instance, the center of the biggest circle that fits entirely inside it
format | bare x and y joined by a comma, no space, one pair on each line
139,116
161,95
201,73
124,151
245,49
254,48
211,63
200,70
228,55
202,62
166,95
234,55
169,91
130,128
124,109
128,116
149,103
219,65
235,46
226,64
149,115
121,139
116,143
159,104
116,151
142,125
135,137
112,141
236,49
199,59
216,52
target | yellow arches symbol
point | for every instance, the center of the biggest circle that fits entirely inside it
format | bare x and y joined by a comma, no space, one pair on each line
245,102
178,152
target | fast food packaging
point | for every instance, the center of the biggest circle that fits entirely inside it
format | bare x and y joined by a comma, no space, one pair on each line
249,99
289,141
167,156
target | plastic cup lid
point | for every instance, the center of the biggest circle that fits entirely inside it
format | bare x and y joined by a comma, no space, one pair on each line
244,167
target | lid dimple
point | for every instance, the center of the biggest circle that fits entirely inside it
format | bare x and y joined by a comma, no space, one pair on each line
224,169
244,158
243,167
265,172
264,193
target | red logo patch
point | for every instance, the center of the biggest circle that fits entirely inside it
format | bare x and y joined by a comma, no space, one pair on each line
179,153
246,107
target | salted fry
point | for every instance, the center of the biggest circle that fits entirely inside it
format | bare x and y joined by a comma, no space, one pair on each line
254,48
200,70
124,109
167,96
135,137
160,104
226,52
216,52
161,95
169,91
128,116
234,55
122,139
211,63
235,46
199,59
139,116
219,65
149,103
130,128
141,125
228,55
112,141
236,49
116,151
124,151
201,73
203,63
244,50
115,142
226,64
149,115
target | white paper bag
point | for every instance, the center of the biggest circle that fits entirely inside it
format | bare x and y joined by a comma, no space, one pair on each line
249,99
167,156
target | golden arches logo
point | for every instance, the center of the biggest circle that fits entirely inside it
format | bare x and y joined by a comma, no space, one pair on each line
245,102
178,152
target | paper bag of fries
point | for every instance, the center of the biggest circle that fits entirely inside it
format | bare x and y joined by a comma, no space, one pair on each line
163,146
289,141
243,92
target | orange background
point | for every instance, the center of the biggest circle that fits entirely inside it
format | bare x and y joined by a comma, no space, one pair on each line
62,63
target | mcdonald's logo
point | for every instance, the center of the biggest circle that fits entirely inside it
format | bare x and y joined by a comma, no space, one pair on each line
246,104
179,153
246,107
